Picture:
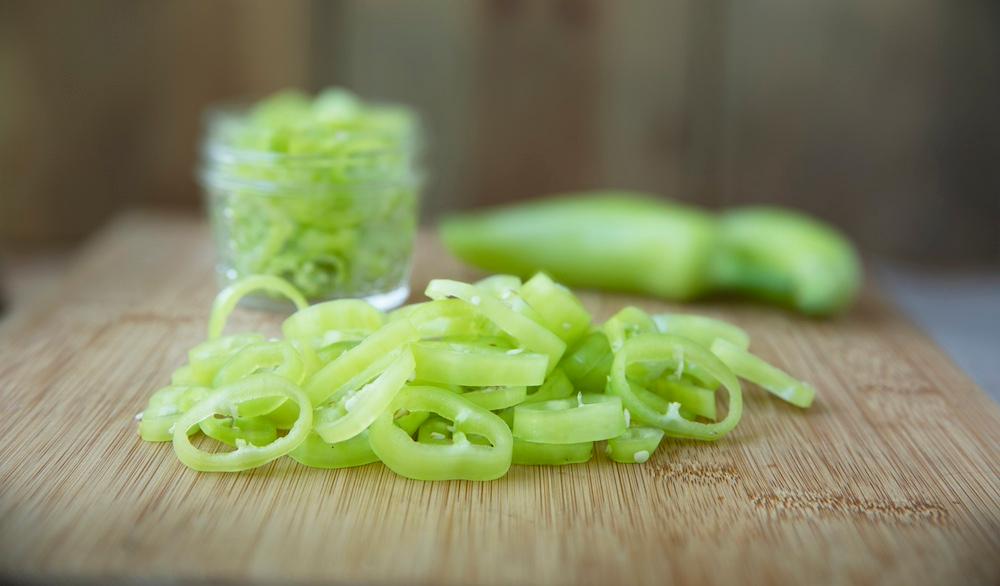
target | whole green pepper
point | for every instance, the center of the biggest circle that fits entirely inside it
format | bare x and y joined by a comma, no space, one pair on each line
786,257
632,242
609,241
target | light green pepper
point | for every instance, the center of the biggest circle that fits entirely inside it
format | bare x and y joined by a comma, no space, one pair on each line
785,257
584,418
630,242
635,446
232,400
588,364
772,379
654,411
534,454
316,453
460,459
606,240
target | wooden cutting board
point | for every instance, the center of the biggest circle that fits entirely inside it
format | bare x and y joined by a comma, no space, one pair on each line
891,477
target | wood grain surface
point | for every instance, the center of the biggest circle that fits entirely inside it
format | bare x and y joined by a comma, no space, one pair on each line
891,477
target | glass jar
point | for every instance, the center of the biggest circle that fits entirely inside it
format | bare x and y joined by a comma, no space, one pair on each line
323,195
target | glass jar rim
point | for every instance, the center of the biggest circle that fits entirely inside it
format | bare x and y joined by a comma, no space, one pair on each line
215,149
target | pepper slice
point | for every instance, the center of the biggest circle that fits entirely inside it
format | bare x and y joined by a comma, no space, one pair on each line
350,411
361,363
772,379
693,398
496,398
457,389
664,347
557,386
165,407
257,431
227,299
435,430
507,288
445,318
278,357
632,321
476,365
526,331
185,376
352,316
227,401
635,446
316,453
311,361
513,300
560,311
499,284
207,358
628,322
328,354
459,460
535,454
588,364
701,329
650,372
410,422
438,430
585,418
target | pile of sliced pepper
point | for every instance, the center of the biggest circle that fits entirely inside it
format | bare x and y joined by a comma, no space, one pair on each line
480,377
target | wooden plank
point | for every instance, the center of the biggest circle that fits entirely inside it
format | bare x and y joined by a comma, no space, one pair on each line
813,122
102,103
535,126
420,54
892,477
646,109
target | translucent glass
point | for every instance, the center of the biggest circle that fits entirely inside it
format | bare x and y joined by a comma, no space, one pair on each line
338,222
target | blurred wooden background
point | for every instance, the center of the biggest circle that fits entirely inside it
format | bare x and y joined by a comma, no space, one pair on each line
879,115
